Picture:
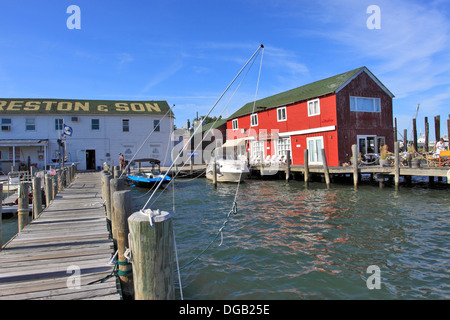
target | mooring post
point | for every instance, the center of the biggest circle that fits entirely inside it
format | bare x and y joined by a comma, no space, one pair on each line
122,211
214,166
114,185
22,209
355,165
325,168
306,162
396,164
152,251
48,189
288,164
116,172
37,197
106,195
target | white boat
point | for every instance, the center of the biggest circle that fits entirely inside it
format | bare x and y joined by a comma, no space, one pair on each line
228,170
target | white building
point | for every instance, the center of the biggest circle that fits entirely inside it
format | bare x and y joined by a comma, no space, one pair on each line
100,130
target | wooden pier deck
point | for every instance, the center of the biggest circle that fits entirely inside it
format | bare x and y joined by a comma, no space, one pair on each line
69,239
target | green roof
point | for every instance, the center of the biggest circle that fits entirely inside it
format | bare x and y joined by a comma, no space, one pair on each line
69,106
213,125
309,91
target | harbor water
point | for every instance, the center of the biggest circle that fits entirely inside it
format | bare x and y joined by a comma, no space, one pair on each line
288,241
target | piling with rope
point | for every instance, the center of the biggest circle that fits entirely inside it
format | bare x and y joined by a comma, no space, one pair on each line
122,211
152,254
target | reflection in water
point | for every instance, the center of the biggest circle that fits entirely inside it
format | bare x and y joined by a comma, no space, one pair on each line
289,242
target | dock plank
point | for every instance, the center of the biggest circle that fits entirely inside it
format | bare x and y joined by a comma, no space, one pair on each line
38,263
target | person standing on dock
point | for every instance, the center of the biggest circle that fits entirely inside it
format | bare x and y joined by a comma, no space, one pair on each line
121,162
440,146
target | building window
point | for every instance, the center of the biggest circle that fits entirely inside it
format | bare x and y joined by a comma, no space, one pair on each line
59,124
234,123
365,104
30,124
254,120
313,107
281,114
257,149
125,125
6,124
283,146
156,126
95,124
315,146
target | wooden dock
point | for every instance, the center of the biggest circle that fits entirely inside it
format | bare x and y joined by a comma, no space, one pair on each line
57,255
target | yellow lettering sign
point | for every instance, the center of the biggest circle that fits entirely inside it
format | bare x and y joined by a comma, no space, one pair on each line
79,105
32,105
137,107
122,107
151,107
48,105
2,104
64,106
14,105
102,107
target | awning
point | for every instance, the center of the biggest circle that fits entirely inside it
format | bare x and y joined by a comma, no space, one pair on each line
234,143
23,142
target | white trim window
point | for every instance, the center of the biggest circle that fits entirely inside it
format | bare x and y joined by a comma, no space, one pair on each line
281,114
30,124
314,107
362,104
283,146
234,124
59,123
315,146
95,124
125,125
257,149
254,119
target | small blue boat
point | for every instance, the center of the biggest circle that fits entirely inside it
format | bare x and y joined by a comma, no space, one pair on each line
148,179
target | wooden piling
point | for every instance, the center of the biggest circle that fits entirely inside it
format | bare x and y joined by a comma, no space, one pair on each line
355,165
427,133
114,185
22,209
396,164
122,211
415,135
48,189
37,197
116,172
106,194
288,165
152,250
306,162
325,168
214,166
405,140
437,127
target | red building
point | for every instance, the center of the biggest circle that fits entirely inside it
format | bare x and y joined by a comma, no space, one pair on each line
333,114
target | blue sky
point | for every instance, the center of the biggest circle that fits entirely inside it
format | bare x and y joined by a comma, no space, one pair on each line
187,51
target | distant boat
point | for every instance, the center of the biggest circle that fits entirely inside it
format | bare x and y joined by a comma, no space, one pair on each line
148,179
228,170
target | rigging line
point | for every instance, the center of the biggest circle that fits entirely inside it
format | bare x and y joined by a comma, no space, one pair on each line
209,130
135,154
259,76
195,131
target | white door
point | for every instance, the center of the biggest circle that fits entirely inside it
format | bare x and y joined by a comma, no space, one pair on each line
315,146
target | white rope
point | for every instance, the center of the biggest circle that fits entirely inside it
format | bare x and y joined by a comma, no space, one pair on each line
178,265
195,131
